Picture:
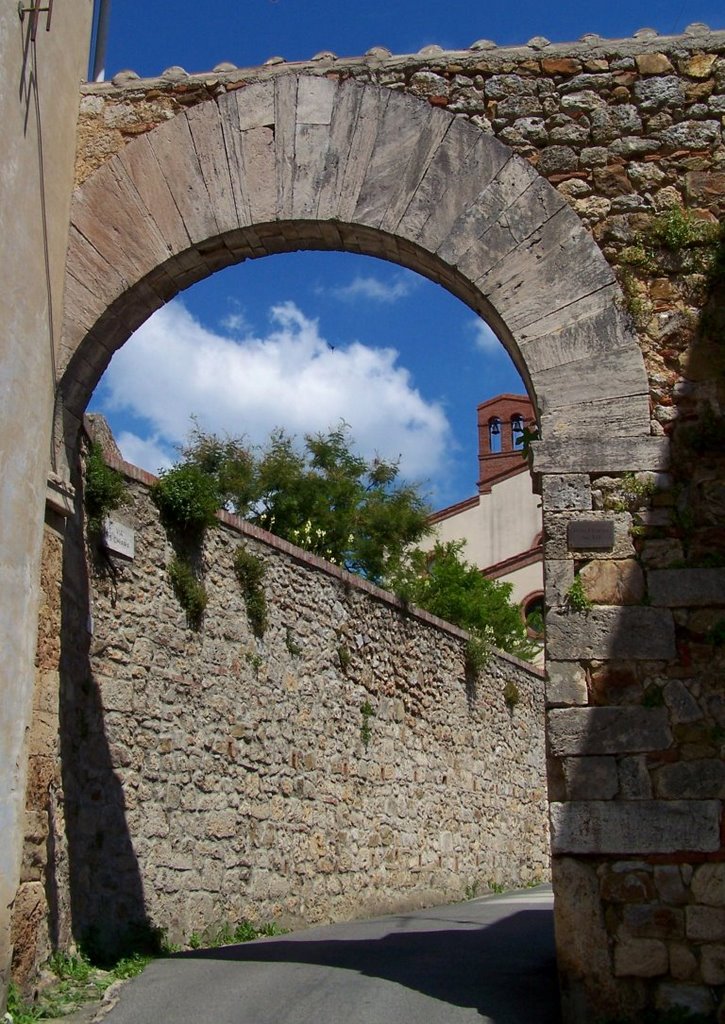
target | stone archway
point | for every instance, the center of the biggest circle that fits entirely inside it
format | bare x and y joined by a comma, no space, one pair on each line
303,162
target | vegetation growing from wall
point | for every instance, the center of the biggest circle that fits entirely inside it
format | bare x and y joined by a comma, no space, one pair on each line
189,590
443,583
187,499
103,490
576,597
249,570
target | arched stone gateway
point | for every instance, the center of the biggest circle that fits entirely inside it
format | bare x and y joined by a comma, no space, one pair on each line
306,163
299,162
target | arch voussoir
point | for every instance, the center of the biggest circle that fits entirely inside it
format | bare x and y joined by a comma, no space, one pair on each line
247,123
173,149
208,140
144,171
464,154
315,104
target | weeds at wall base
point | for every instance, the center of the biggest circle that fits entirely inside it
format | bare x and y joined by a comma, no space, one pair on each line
80,981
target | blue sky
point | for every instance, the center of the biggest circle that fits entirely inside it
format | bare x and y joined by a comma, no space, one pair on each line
304,340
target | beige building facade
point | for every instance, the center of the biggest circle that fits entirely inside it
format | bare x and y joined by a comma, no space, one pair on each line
501,524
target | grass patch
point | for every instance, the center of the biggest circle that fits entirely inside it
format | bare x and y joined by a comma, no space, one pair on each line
79,980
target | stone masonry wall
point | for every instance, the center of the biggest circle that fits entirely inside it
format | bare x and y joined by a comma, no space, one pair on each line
630,132
211,775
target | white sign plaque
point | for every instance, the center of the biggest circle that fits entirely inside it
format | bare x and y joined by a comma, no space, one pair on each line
118,538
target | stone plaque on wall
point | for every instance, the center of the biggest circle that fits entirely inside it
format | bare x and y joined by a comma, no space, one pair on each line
591,534
118,538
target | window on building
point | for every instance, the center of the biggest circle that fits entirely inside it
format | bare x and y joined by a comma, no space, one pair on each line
533,611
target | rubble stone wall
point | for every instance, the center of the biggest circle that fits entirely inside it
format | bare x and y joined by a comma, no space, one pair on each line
212,775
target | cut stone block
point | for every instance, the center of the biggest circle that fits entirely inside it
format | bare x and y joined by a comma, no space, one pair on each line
705,924
634,779
614,730
632,632
713,964
642,826
613,582
708,884
558,578
570,491
683,706
611,455
590,778
687,588
566,684
640,958
696,780
653,921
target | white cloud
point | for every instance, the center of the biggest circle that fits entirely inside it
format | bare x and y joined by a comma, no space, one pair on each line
174,367
148,452
236,323
366,287
484,338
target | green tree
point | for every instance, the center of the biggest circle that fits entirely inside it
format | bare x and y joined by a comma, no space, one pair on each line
322,496
355,512
442,582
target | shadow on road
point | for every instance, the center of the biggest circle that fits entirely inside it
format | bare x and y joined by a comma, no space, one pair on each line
506,971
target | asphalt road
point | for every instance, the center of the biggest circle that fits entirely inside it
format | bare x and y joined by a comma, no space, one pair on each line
488,959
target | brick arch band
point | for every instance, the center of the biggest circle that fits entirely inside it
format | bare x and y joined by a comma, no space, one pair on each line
304,162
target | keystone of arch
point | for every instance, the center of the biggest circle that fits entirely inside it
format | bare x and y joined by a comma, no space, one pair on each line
302,161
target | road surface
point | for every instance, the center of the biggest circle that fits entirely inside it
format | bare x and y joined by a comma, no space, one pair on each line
488,959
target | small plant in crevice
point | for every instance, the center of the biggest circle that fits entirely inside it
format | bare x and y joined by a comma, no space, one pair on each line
511,695
249,570
678,229
187,500
367,712
344,657
653,697
291,644
634,303
254,658
189,590
471,890
228,934
478,651
632,494
103,489
716,634
576,597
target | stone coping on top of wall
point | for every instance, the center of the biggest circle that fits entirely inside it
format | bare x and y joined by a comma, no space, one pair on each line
322,565
484,52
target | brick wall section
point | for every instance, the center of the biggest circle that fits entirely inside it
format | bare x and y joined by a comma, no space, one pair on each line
246,787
